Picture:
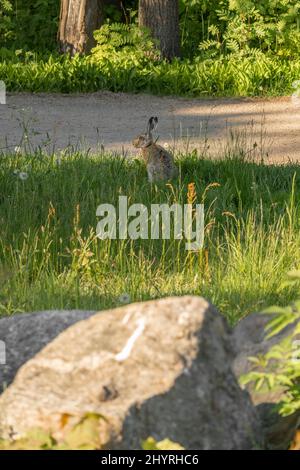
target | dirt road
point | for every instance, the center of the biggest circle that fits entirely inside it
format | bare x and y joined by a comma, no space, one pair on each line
112,120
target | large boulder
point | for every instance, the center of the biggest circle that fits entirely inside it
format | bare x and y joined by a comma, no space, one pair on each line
159,368
25,335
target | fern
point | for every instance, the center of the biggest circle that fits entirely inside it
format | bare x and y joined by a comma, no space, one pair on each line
121,41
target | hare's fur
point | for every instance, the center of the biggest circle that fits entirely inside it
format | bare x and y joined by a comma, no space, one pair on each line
159,162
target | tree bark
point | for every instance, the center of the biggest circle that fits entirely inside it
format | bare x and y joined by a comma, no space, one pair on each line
162,18
78,21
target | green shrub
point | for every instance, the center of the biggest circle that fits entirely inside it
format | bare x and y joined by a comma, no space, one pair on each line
238,26
218,26
119,43
28,24
280,366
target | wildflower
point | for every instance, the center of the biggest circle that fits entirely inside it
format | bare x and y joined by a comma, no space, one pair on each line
23,176
18,150
166,145
296,84
124,298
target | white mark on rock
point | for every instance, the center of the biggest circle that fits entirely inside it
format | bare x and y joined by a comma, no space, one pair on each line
125,353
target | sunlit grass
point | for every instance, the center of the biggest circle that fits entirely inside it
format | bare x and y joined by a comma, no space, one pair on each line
225,76
50,257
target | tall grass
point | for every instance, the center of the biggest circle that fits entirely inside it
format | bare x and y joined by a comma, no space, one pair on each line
50,257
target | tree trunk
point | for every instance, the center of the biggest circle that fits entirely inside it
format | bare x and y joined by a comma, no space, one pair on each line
162,18
78,21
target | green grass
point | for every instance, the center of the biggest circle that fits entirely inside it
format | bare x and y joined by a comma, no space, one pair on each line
50,258
230,76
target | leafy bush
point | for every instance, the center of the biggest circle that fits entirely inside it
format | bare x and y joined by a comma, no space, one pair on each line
122,43
280,367
229,47
28,24
196,16
271,26
5,20
218,26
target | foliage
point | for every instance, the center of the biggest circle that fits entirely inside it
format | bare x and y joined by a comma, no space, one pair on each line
75,433
125,10
218,26
239,26
165,444
196,16
229,48
29,24
82,434
230,76
119,42
280,366
5,20
50,257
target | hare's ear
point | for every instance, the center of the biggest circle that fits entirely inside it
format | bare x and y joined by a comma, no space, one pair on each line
152,124
153,121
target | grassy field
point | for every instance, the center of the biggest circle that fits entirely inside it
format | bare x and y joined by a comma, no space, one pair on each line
50,257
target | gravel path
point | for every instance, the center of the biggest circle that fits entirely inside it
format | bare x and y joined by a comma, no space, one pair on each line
113,119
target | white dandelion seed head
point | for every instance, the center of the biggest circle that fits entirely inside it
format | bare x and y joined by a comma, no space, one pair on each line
296,84
23,175
166,145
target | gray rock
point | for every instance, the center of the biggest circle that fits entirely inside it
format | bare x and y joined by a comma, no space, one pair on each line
25,335
158,368
249,340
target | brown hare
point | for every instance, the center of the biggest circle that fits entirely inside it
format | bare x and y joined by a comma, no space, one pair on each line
160,163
